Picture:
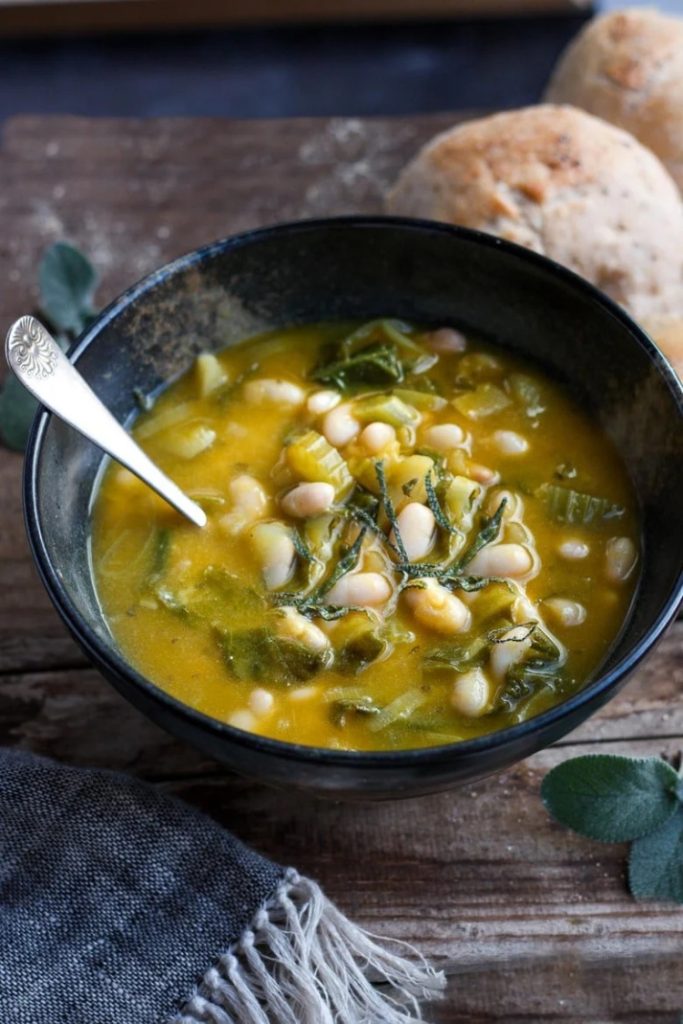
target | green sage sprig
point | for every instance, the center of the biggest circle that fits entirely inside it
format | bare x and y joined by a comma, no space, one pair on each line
618,799
66,282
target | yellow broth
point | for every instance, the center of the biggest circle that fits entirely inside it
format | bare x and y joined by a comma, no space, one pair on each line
242,619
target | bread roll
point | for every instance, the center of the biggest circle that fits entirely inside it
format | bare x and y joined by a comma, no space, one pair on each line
627,67
565,184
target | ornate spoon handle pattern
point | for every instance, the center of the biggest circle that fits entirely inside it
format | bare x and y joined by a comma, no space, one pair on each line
41,366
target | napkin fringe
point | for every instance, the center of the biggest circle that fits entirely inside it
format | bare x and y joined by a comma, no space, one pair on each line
303,962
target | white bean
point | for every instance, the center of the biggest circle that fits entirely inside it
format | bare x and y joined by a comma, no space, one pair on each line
523,610
573,549
242,720
443,437
417,527
308,499
508,442
377,436
261,701
620,559
275,550
446,339
361,589
340,426
514,506
482,474
509,650
565,612
471,693
322,401
436,608
250,503
510,560
295,626
275,392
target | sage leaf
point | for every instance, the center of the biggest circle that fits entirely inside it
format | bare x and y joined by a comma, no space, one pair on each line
67,280
655,869
611,798
17,409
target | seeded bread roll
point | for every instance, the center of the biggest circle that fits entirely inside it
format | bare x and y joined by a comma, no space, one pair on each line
627,67
565,184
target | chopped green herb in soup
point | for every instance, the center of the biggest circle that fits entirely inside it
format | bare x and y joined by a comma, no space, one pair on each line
413,538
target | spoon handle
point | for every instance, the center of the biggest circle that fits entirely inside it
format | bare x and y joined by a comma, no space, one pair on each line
41,366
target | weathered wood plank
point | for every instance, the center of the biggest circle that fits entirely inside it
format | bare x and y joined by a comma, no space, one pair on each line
136,193
534,923
521,896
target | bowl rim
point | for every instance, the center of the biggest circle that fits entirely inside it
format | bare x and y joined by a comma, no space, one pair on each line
110,659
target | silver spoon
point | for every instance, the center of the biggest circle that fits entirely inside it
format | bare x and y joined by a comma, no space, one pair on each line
41,366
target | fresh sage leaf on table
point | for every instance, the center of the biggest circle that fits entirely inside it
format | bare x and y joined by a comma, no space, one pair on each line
17,409
655,869
67,281
610,798
618,799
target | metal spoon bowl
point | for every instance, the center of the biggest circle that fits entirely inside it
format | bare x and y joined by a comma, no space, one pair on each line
41,366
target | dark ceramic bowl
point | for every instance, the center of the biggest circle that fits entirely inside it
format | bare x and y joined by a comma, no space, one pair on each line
347,269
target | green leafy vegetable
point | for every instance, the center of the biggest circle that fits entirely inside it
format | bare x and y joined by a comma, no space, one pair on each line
378,352
458,656
261,655
357,643
611,798
160,554
376,331
301,547
390,512
655,870
568,506
223,600
398,709
313,603
218,599
436,509
347,700
377,364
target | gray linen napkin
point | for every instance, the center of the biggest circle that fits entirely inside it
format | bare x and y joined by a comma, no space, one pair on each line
119,905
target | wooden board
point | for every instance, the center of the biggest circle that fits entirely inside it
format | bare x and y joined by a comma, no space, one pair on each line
32,17
533,923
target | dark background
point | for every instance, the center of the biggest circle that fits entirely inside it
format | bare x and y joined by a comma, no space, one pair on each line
279,72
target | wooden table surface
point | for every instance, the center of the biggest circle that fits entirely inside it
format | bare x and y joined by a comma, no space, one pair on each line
532,923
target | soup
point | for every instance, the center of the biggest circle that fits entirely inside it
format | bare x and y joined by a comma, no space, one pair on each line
413,538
